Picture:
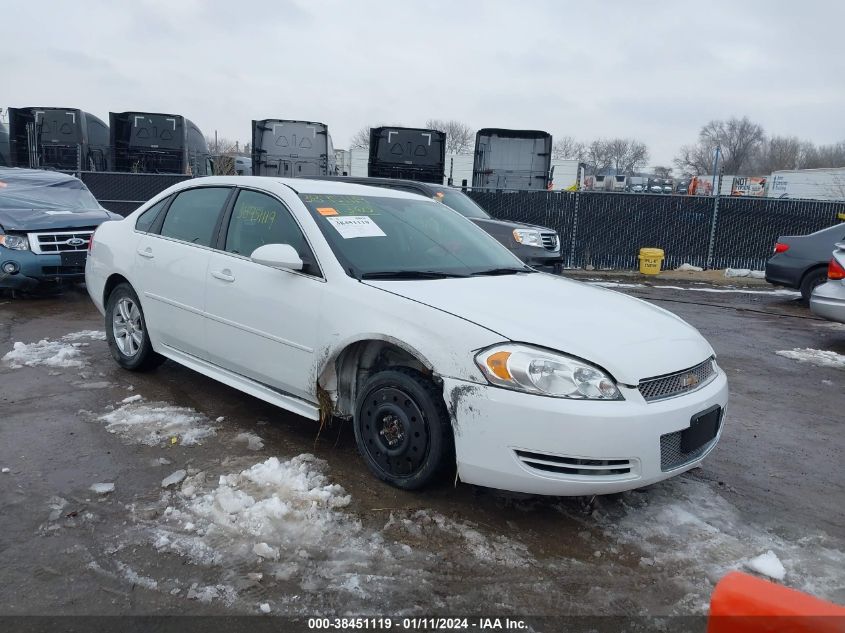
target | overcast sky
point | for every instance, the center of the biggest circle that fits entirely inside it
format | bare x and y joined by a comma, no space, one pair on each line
656,71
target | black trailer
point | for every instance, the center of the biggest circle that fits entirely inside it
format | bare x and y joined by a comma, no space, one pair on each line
284,147
4,145
157,143
65,139
512,159
407,153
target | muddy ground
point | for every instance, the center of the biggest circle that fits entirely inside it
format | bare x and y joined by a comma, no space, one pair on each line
336,541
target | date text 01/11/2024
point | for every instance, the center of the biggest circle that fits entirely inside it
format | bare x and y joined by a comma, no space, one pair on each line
416,624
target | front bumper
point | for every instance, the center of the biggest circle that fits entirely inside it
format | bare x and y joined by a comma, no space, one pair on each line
610,446
36,269
828,301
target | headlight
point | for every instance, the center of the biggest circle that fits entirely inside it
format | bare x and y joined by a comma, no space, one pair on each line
15,242
529,237
532,370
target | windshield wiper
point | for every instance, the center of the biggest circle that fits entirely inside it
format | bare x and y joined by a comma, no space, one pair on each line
502,271
410,274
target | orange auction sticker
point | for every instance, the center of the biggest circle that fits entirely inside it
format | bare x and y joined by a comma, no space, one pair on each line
326,211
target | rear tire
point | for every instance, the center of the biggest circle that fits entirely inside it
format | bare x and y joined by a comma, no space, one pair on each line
403,430
126,331
816,277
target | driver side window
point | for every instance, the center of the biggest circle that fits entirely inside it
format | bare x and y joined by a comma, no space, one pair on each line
258,219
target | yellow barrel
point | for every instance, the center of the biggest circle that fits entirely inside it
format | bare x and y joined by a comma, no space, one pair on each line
651,259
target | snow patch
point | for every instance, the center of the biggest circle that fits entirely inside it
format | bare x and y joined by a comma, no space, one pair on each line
64,353
769,565
745,272
690,267
102,488
130,399
818,357
253,442
141,581
153,424
778,292
173,479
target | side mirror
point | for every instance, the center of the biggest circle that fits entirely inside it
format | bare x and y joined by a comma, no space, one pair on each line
283,256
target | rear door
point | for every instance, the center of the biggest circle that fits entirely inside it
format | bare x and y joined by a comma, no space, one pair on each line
171,265
262,321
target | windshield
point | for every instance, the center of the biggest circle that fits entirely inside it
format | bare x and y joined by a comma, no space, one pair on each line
461,203
65,195
373,236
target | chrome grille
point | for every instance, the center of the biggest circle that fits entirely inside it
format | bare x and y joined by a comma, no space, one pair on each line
679,383
574,465
549,241
59,242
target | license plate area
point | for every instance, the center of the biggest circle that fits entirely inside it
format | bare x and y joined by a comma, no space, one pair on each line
703,428
74,259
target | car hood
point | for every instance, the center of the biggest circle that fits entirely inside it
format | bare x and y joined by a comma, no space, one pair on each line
45,219
484,223
628,337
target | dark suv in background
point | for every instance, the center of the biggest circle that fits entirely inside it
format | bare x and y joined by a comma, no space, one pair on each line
537,246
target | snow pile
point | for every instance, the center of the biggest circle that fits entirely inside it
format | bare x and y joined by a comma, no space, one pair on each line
65,352
818,357
690,267
778,292
133,578
695,536
156,424
769,565
745,272
277,510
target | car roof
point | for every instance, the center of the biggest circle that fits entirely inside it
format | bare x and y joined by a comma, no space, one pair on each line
21,174
300,185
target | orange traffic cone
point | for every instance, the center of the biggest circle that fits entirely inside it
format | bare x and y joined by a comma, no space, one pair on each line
745,604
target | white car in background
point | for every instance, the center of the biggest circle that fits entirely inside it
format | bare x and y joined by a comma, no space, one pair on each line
828,299
400,314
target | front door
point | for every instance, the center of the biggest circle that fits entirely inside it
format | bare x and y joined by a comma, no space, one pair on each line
263,322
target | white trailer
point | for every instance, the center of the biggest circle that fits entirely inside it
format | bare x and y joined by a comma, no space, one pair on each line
567,175
814,184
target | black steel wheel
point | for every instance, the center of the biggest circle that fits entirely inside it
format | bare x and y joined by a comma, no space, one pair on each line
402,428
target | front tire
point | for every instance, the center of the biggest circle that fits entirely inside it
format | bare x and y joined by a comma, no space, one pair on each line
403,430
126,331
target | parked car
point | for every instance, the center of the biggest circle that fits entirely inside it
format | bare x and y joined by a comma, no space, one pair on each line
656,189
534,245
828,299
800,261
391,310
46,220
668,189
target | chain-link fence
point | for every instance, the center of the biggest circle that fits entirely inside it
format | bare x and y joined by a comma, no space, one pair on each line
606,230
124,192
600,229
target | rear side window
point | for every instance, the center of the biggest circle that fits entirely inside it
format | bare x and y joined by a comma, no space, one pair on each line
148,217
193,215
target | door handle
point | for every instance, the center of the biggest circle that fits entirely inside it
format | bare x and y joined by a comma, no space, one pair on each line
147,252
223,275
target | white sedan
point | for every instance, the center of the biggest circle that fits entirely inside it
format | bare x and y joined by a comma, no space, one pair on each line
393,311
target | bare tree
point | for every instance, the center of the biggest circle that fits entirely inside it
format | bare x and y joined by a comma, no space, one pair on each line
460,138
597,156
567,148
662,172
739,140
626,155
222,151
780,152
814,157
361,138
